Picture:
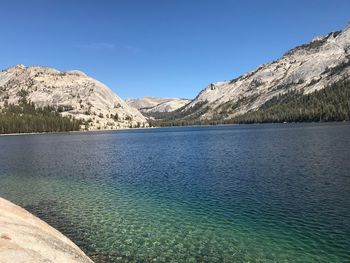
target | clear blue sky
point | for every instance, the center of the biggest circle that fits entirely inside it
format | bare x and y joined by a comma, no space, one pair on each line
167,48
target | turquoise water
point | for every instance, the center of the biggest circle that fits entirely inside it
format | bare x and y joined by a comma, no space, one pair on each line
247,193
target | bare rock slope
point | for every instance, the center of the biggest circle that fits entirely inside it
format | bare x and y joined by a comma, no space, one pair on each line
306,68
25,238
76,93
155,104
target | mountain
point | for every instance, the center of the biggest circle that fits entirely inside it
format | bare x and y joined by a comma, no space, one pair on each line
168,106
302,70
72,93
155,104
145,102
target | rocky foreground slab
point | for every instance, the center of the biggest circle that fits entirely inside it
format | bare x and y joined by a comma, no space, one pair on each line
26,238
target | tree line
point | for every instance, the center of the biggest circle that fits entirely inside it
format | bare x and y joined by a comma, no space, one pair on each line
26,118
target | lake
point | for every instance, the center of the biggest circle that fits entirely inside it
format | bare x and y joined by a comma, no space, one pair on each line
236,193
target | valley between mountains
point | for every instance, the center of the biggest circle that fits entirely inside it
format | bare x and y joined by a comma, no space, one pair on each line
308,83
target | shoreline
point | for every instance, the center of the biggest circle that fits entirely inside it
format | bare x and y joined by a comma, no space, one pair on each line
69,132
178,126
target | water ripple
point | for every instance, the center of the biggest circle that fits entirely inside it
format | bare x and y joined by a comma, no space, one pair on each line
263,193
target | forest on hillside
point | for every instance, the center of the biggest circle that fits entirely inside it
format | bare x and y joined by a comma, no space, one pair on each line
26,118
329,104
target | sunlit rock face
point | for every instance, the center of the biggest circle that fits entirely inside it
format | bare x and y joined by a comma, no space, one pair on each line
75,93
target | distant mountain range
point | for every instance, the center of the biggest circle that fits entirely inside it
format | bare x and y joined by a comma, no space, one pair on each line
155,104
288,89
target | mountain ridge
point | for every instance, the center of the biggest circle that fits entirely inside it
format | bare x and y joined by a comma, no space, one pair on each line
308,67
